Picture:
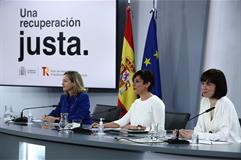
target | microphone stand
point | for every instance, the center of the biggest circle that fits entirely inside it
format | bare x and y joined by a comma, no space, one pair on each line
177,140
182,141
23,119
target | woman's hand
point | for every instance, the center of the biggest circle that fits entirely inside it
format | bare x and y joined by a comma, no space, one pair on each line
50,119
106,125
135,127
185,133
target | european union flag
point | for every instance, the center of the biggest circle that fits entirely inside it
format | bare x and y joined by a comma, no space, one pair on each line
151,56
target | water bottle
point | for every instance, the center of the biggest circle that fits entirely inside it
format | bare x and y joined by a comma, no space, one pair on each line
101,127
11,113
30,118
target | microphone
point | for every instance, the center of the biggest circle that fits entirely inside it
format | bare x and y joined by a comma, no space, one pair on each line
179,141
24,119
208,110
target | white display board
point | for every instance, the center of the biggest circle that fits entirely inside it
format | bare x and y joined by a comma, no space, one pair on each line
40,40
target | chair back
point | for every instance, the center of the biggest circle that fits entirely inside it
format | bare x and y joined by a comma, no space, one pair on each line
174,120
108,112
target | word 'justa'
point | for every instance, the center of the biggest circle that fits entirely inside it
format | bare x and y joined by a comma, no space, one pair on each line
46,45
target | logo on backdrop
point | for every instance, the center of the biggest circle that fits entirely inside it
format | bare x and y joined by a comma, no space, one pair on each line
22,71
45,71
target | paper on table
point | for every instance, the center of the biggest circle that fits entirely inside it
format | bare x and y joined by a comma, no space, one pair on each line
107,129
114,129
37,120
75,125
140,140
201,141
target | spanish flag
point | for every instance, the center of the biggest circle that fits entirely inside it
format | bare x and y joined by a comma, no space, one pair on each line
126,95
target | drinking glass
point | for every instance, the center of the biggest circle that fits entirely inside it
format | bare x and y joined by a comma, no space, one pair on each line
63,121
154,133
195,138
8,114
162,133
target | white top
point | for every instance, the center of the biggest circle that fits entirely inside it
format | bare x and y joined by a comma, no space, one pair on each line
145,113
225,124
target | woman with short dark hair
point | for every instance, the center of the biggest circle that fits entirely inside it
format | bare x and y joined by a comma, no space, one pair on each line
216,77
144,111
221,123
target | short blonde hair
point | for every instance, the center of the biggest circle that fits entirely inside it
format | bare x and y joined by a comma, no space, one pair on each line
76,78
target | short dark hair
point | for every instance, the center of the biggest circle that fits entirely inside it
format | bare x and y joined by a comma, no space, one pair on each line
146,76
216,77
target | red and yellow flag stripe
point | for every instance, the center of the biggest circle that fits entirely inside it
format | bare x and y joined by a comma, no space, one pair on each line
126,95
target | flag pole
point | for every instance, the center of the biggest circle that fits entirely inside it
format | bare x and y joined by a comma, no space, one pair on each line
154,8
154,3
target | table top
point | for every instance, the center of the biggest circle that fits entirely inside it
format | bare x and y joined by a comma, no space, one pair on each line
114,142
